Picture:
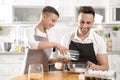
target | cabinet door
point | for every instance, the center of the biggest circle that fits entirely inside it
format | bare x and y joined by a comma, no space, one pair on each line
5,59
17,58
5,8
5,78
4,69
66,8
114,62
16,65
114,2
16,70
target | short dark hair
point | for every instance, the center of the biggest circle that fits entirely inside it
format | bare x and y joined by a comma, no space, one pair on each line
86,9
49,9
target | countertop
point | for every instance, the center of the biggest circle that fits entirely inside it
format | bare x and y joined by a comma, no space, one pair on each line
11,53
114,52
22,53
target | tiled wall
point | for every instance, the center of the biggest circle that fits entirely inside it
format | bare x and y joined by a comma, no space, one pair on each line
9,34
115,35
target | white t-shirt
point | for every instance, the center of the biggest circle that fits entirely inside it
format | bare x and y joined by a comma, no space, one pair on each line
98,42
30,40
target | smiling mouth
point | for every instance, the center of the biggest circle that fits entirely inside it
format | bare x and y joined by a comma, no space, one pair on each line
84,29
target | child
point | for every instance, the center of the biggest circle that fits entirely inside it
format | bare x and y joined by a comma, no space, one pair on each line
39,47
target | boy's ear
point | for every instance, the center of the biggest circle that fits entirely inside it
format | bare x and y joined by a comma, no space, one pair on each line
43,17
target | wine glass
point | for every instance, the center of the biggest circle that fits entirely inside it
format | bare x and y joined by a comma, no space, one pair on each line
35,72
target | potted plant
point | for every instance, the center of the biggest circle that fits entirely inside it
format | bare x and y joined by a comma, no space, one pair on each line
1,28
115,30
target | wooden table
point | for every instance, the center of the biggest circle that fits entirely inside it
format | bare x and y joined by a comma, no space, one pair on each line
53,75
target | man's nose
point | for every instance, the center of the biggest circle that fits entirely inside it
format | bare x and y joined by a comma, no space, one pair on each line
84,25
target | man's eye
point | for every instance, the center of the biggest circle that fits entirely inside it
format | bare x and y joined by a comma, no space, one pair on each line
88,22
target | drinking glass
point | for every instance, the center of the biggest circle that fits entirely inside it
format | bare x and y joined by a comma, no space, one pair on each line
35,72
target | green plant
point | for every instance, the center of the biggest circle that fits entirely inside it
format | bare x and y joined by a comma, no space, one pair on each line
1,28
115,28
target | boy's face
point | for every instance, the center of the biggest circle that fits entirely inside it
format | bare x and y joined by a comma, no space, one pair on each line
85,22
49,20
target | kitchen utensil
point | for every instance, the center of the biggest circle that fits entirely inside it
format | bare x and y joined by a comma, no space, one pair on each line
77,67
74,54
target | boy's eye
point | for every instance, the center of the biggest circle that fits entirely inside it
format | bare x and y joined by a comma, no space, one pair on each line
82,22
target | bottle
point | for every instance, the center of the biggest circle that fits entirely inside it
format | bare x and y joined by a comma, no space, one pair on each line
109,42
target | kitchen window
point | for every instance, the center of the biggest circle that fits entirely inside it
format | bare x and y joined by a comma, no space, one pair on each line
116,13
114,16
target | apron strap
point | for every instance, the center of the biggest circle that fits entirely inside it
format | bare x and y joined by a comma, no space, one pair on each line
70,38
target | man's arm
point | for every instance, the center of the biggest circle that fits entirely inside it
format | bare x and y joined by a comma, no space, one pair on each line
102,63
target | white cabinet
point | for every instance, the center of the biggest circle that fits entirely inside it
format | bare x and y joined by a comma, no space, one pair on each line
90,2
4,69
6,8
66,8
114,62
29,2
16,70
53,3
5,11
26,14
6,14
10,65
114,2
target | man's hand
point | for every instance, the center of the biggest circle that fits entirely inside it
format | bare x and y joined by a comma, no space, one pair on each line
93,66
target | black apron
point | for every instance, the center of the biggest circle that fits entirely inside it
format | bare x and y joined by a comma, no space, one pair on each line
86,52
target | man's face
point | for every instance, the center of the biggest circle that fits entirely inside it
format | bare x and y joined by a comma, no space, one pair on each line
85,22
49,20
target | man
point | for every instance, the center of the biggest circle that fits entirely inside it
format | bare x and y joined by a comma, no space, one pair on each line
91,46
39,47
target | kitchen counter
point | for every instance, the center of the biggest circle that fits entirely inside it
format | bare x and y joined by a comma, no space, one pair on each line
11,53
114,52
22,53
